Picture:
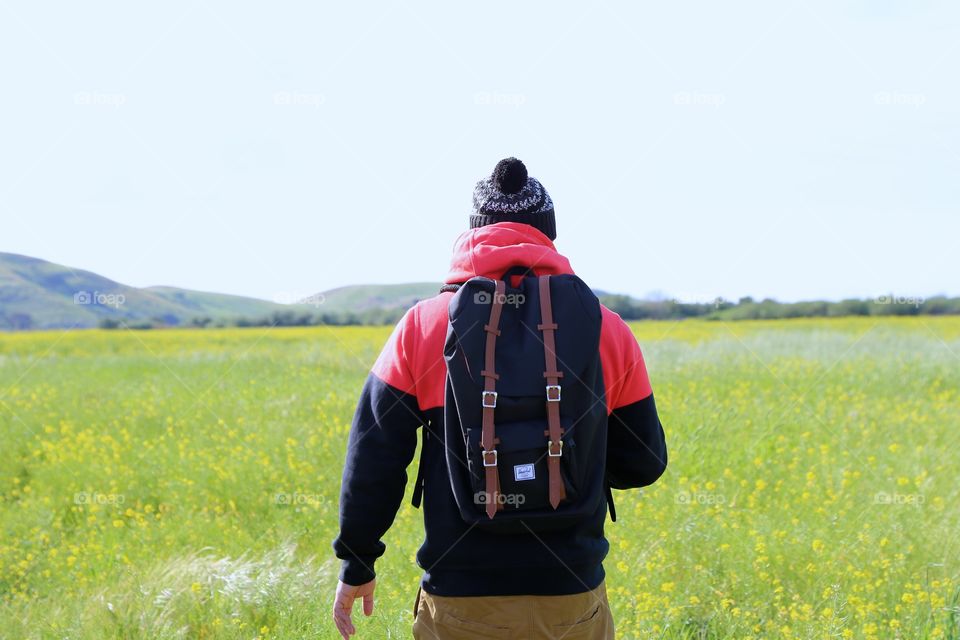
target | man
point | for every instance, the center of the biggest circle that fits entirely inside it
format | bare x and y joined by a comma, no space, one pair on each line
478,583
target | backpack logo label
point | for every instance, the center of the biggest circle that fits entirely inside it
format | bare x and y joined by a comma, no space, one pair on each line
523,472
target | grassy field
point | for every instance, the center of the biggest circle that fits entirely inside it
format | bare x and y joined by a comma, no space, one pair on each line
183,484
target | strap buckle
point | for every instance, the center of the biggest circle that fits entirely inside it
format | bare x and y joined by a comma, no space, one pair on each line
559,452
485,454
553,393
489,399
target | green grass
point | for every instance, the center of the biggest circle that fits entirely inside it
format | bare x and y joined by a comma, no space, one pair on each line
183,484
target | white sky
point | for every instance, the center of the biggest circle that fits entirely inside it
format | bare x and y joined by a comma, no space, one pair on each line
787,149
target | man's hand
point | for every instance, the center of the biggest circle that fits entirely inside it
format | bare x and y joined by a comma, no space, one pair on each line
343,605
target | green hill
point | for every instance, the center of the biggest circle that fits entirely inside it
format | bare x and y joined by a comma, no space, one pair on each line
368,297
36,294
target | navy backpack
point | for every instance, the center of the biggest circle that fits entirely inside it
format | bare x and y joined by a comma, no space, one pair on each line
525,420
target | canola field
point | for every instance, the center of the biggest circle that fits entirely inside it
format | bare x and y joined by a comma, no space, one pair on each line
183,484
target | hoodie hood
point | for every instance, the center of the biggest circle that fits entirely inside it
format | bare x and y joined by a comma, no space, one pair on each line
491,250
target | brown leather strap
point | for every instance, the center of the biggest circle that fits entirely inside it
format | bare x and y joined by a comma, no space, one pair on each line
552,376
488,439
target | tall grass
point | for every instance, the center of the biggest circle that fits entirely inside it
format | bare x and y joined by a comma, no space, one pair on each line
183,484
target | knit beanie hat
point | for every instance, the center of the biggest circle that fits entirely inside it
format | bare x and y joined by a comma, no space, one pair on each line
510,195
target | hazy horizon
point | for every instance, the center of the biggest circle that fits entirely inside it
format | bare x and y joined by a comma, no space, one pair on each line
653,295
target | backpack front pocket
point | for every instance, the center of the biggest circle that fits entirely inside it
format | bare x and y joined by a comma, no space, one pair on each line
522,466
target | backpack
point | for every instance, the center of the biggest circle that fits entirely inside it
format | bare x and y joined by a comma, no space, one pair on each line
525,420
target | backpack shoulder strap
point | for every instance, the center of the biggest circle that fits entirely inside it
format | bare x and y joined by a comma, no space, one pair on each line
552,375
613,509
418,484
488,438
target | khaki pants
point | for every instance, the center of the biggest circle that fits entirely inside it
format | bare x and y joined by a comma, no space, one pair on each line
581,616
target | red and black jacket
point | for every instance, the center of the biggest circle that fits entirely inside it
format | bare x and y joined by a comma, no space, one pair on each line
405,391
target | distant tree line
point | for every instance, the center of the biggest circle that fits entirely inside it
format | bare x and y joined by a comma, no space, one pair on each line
374,317
16,321
768,309
628,308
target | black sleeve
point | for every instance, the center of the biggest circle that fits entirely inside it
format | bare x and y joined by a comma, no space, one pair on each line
382,442
636,447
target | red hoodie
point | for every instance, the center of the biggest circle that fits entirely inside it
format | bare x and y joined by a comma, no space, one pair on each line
405,391
413,362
